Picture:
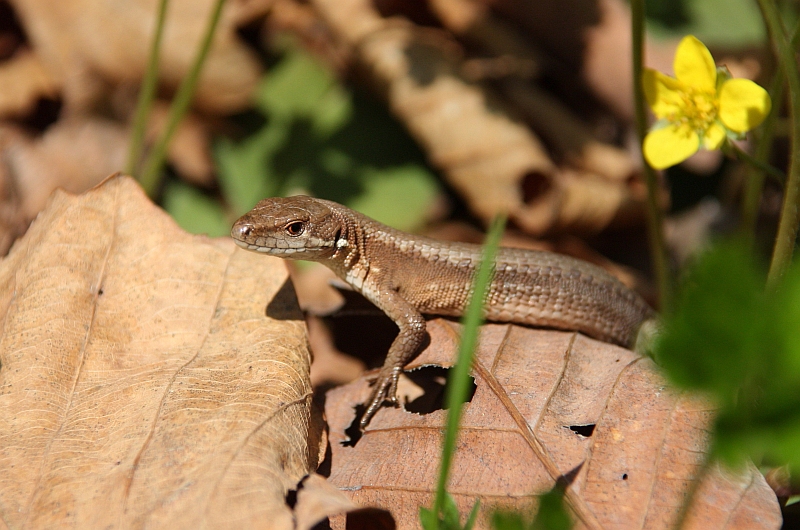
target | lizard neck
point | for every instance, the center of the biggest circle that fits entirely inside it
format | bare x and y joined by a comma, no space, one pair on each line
369,246
350,261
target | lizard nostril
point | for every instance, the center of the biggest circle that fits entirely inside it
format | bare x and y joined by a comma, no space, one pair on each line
242,231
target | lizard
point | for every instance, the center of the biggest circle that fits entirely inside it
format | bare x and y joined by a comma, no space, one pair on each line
407,275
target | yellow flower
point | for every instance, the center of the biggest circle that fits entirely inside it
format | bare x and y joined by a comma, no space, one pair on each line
700,107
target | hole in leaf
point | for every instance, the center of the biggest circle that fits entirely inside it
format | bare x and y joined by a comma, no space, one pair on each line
624,476
533,185
291,498
423,387
583,430
432,381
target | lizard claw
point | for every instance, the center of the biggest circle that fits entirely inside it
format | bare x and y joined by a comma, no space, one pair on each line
385,390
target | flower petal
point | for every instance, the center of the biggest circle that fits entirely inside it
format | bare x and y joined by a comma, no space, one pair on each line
743,104
713,136
694,65
662,93
670,145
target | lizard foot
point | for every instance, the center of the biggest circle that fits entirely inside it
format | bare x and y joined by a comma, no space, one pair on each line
385,390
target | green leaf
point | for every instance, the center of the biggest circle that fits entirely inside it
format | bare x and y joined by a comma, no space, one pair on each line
738,344
552,514
318,138
428,518
509,521
724,23
398,196
194,211
451,518
473,515
715,337
299,86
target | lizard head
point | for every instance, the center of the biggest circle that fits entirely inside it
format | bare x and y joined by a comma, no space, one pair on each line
293,227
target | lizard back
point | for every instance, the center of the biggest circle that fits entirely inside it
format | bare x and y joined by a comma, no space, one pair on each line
530,287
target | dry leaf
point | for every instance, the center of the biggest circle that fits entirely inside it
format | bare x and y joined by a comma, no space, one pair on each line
549,406
318,499
13,221
142,383
190,148
85,45
568,135
73,154
24,81
560,128
495,162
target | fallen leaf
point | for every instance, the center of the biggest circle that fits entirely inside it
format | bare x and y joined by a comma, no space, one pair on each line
74,154
24,81
189,150
318,499
148,377
495,162
548,406
13,221
86,45
564,133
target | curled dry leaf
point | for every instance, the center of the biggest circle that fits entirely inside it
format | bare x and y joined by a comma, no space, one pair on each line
86,44
142,383
549,406
560,128
495,162
317,499
24,81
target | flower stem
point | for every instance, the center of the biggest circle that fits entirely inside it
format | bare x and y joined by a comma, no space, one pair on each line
790,212
147,93
754,177
183,98
731,149
658,251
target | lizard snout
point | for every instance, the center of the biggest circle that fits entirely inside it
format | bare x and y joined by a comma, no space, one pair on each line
242,231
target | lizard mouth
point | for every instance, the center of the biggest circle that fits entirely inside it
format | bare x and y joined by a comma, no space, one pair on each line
276,250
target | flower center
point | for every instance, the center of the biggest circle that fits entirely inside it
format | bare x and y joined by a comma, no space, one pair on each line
699,109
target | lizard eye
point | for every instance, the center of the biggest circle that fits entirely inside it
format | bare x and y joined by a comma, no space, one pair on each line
296,228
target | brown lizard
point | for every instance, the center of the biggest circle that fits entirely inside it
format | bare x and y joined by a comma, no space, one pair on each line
407,275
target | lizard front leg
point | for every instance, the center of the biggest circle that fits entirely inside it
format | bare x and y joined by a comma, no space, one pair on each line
403,349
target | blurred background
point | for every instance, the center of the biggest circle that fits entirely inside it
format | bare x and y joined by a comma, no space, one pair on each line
427,115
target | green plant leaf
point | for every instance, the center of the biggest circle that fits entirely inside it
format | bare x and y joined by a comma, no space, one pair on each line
319,138
552,514
194,211
738,344
509,521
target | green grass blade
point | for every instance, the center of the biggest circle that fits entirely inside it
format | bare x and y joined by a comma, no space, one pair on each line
459,380
180,105
147,93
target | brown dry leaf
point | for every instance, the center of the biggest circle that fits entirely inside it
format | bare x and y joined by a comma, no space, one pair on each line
190,148
13,221
568,135
495,162
549,405
318,499
73,154
86,44
24,81
142,383
560,128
